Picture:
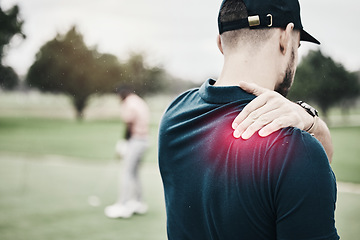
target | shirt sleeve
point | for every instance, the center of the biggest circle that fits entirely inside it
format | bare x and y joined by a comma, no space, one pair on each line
304,189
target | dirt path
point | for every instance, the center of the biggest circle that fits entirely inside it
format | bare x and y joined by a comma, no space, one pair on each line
348,187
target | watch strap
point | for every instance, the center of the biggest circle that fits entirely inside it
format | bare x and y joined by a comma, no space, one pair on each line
312,111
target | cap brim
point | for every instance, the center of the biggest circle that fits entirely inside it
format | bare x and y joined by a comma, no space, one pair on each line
304,36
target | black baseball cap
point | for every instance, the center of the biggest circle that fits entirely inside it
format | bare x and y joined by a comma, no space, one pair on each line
266,14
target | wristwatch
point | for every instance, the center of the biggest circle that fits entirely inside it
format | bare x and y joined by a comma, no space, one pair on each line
312,111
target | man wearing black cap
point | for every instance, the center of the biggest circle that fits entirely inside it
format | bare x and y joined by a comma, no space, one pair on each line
220,186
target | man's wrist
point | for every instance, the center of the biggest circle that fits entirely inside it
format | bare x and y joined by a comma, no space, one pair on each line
313,113
312,128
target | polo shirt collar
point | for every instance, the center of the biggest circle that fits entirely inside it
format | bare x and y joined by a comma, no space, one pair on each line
223,94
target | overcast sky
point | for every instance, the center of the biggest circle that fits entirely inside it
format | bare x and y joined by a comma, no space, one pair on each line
180,35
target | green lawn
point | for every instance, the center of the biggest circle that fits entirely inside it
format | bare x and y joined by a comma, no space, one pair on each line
346,163
46,198
39,136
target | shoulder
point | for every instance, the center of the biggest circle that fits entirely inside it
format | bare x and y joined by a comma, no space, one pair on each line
286,151
288,147
184,97
181,104
299,145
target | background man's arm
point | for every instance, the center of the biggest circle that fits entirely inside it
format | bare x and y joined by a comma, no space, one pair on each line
270,111
127,115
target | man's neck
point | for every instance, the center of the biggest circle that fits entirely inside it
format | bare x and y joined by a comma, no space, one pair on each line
260,69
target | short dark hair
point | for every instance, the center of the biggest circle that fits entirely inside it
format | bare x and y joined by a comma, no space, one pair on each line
233,10
124,91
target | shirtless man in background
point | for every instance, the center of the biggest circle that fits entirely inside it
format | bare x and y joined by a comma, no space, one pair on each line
136,115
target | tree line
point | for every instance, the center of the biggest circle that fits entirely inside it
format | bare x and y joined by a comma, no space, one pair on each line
67,65
321,80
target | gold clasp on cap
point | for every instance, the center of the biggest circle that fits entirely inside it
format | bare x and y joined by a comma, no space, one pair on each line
254,21
269,16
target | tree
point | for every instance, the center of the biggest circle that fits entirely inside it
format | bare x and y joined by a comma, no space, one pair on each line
10,25
8,78
142,78
65,64
321,80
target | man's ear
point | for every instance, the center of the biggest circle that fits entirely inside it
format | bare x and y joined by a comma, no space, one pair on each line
285,38
219,44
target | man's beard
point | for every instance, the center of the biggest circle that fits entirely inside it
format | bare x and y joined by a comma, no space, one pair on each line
284,87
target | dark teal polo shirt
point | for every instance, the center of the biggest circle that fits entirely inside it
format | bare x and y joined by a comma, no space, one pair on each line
219,187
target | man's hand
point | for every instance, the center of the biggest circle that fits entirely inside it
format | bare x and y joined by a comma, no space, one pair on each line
268,112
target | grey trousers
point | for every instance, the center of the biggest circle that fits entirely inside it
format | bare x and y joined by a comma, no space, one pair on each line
130,186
